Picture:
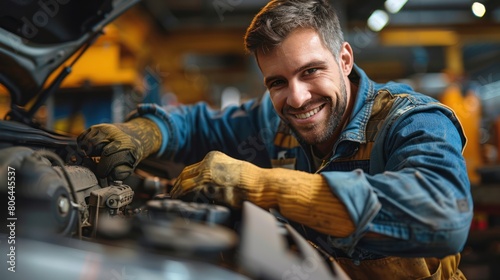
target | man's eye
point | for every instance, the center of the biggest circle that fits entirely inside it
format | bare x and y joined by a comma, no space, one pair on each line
276,83
310,71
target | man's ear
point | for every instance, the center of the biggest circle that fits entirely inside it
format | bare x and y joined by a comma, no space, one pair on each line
346,58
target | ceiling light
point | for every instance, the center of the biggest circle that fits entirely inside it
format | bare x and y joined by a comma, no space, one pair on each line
478,9
377,20
393,6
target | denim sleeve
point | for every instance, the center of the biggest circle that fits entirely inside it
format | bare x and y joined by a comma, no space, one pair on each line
417,192
189,132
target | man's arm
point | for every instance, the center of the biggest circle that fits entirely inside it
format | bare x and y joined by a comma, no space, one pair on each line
184,134
191,131
300,196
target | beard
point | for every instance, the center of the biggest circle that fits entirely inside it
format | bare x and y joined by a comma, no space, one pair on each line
315,134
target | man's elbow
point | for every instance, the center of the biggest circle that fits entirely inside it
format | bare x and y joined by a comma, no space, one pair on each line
443,242
453,243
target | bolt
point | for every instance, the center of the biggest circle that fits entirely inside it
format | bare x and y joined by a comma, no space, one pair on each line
63,205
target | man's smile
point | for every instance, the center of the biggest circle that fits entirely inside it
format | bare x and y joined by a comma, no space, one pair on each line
310,113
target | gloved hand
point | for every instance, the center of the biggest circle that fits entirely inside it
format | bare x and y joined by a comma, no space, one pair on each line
221,178
302,197
121,146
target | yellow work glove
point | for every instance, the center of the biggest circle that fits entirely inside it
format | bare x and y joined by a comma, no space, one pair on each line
301,197
120,146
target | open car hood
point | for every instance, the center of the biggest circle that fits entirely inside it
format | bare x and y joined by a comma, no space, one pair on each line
38,36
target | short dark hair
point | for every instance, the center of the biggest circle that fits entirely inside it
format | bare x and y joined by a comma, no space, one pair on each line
280,17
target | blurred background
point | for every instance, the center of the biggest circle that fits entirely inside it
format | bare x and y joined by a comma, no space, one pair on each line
179,52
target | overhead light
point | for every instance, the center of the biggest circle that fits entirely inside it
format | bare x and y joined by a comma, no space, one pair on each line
478,9
377,20
393,6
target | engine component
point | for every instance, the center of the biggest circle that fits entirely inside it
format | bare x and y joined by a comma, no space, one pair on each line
114,197
191,238
167,208
265,254
42,195
110,200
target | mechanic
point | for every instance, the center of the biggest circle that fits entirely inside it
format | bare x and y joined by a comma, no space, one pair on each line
373,174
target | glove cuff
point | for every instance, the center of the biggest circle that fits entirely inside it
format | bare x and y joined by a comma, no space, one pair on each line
146,132
258,191
307,199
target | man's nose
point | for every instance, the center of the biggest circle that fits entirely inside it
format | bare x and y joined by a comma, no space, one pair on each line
298,94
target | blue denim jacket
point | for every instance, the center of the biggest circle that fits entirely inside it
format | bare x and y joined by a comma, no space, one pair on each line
413,187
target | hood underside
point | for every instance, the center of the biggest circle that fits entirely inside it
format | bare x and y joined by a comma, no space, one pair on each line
38,36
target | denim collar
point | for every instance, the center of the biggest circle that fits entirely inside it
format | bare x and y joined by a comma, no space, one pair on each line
365,96
355,129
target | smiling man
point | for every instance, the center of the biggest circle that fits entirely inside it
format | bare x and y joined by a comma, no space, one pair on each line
371,173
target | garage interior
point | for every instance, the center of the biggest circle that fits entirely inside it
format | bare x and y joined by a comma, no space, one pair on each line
180,52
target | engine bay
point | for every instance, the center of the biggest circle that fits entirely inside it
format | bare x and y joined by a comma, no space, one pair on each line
60,213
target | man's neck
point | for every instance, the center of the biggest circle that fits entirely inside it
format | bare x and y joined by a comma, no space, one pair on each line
320,154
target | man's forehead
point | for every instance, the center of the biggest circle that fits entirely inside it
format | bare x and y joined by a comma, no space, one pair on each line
267,48
300,48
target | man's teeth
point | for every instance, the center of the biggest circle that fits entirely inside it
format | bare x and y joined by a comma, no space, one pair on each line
308,114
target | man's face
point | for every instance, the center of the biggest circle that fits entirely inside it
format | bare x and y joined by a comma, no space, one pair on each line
308,85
